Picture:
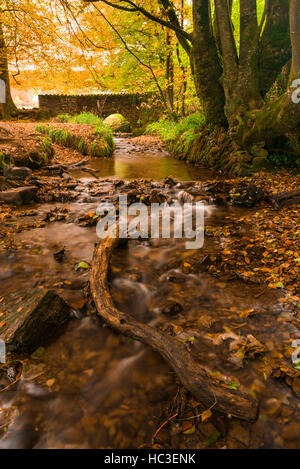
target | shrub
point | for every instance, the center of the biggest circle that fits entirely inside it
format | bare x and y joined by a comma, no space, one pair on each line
284,160
3,161
64,118
86,118
168,130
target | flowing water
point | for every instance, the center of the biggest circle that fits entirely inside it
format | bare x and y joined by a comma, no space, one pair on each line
93,388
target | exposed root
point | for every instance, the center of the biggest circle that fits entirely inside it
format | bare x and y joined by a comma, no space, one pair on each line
193,377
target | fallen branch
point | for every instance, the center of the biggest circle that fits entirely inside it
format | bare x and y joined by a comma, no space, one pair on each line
193,377
283,199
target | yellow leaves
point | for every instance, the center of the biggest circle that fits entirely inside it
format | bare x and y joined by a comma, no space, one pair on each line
177,329
50,382
188,428
2,324
206,415
246,314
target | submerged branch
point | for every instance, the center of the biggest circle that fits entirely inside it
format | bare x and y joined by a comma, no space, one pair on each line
193,377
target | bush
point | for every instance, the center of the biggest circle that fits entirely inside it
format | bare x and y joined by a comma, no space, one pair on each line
86,118
169,130
63,118
284,160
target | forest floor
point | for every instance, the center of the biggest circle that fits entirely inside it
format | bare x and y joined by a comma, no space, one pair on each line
235,304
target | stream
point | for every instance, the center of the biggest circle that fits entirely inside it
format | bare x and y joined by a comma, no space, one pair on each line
93,388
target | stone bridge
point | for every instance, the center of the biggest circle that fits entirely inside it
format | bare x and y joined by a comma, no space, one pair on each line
138,108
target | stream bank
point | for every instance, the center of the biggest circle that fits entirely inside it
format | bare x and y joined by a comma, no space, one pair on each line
89,388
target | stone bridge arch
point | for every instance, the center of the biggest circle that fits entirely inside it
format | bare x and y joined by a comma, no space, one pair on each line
136,107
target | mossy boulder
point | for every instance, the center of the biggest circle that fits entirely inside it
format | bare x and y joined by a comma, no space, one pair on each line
31,153
31,319
260,162
118,123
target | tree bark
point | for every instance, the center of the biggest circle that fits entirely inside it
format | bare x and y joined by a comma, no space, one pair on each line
248,64
192,376
8,108
229,54
275,43
282,115
170,73
206,65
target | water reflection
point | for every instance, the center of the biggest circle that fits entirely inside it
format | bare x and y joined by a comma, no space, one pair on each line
144,164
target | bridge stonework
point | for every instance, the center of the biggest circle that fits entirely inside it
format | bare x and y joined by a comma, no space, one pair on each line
137,108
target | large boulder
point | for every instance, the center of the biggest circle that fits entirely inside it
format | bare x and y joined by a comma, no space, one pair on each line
16,172
31,319
118,123
20,196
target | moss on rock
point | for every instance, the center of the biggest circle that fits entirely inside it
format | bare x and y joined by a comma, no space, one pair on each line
118,123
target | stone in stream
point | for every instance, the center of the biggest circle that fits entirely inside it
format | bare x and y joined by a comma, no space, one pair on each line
20,196
172,308
31,319
15,172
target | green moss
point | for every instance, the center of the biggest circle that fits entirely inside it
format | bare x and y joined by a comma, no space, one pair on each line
118,123
3,161
47,149
104,146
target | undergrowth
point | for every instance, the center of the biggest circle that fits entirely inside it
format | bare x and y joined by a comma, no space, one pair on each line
168,130
98,143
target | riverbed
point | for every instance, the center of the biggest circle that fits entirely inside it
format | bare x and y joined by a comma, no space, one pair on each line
93,388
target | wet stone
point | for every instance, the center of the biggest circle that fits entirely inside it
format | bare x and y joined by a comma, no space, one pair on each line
15,172
19,196
291,431
32,319
172,308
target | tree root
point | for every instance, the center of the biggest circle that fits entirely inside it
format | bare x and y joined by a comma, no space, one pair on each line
284,199
193,377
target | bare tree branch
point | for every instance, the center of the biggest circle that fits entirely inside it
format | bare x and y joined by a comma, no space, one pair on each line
135,8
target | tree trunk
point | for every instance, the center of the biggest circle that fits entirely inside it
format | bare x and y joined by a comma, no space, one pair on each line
275,43
206,66
170,73
282,115
7,108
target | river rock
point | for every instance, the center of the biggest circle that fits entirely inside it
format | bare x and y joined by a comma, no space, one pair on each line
247,196
15,172
31,319
172,308
19,196
118,123
291,431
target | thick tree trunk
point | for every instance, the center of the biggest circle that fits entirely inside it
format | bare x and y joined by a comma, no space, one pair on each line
206,66
275,43
7,108
283,115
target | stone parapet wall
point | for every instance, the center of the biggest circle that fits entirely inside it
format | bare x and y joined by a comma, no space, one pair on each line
137,108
